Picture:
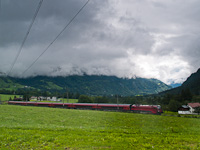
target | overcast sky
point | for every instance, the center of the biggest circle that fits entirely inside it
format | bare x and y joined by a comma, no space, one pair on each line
126,38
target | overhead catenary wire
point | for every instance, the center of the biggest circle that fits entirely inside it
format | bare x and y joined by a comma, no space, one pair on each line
56,37
24,40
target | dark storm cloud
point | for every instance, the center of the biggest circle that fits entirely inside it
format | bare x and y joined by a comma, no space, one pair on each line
147,38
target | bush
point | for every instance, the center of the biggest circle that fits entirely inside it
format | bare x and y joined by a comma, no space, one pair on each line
84,99
100,99
173,105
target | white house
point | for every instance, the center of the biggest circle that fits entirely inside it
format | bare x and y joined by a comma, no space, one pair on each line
188,109
54,99
33,98
48,98
193,106
184,109
41,98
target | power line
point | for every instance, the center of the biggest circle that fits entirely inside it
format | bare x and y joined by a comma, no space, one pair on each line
56,36
27,33
0,7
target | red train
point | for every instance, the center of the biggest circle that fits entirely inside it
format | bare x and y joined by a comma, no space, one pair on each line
150,109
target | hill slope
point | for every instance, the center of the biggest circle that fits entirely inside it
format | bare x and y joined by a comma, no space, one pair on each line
90,85
192,83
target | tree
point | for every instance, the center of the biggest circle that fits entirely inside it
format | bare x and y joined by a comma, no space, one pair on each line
165,99
173,105
186,94
26,97
100,99
84,99
197,110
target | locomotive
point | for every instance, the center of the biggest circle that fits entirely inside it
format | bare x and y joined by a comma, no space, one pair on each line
148,109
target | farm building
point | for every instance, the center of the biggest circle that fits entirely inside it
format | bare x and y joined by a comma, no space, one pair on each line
184,109
18,99
191,108
42,98
33,98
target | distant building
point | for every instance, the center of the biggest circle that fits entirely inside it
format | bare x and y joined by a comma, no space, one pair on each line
18,99
193,106
54,99
189,109
184,109
33,98
41,98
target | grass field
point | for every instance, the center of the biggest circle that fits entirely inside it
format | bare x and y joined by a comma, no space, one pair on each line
5,97
25,127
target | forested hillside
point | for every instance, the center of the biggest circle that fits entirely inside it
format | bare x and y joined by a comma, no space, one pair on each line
192,84
86,84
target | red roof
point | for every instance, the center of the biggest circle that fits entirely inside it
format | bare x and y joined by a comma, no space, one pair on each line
193,105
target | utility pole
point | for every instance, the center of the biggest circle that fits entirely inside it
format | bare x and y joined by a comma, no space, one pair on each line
26,99
63,99
67,96
117,102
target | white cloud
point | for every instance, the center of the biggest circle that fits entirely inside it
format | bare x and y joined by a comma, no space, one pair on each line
146,38
166,68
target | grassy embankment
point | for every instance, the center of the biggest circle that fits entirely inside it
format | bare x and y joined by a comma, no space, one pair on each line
51,128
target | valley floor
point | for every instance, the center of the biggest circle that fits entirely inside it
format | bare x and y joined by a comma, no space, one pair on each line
48,128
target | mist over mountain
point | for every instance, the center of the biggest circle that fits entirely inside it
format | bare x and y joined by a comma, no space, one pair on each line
86,84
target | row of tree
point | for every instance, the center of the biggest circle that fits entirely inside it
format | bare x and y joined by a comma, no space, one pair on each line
169,102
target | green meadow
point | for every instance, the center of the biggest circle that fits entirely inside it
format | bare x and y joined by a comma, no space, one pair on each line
25,127
6,97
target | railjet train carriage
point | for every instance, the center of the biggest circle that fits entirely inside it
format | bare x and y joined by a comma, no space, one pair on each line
149,109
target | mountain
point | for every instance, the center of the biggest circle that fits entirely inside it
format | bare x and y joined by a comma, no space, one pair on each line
174,85
86,84
192,83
